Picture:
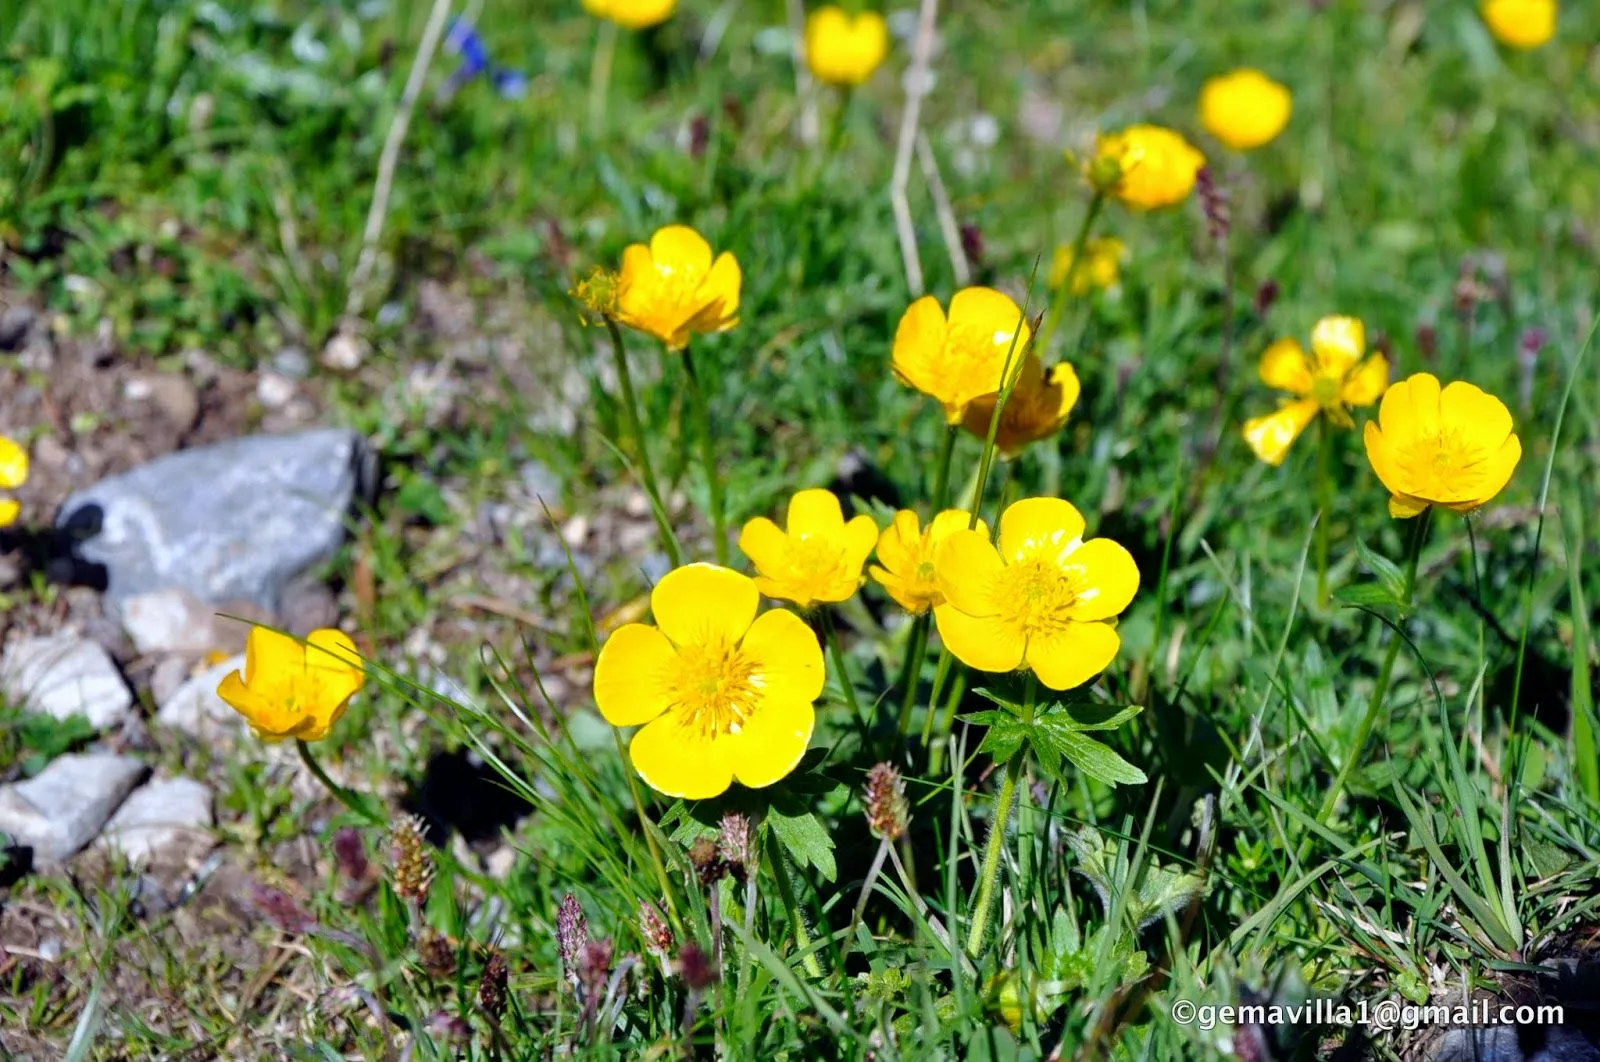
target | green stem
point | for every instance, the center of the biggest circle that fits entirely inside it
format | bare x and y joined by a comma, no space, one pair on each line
708,457
1419,533
349,799
839,664
647,473
605,50
911,674
662,880
1324,504
947,721
991,855
1063,292
941,483
802,938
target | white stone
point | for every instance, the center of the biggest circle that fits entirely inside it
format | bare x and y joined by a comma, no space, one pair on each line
63,675
196,710
167,815
274,391
169,620
60,809
343,353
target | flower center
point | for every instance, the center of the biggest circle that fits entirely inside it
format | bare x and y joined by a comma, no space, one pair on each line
714,689
1037,596
925,572
1325,389
1443,462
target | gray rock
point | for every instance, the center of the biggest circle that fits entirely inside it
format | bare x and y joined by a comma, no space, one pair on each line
196,710
63,675
59,810
229,522
14,326
292,362
539,481
169,620
1505,1043
274,390
167,816
167,677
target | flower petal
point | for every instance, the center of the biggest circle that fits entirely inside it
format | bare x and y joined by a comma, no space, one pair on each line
987,643
765,544
1500,468
992,314
1338,342
1367,382
1284,367
773,739
968,566
815,512
899,541
10,509
860,535
1478,415
679,761
918,342
1404,507
1381,457
13,464
1271,436
678,250
721,286
1410,408
700,603
786,655
1035,526
950,521
273,663
631,675
1107,575
1074,655
272,717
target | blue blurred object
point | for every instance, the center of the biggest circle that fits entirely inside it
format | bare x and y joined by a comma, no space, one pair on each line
462,40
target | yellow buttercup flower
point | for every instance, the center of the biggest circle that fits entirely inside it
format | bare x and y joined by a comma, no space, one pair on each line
632,14
962,356
13,474
294,689
843,49
1038,407
907,551
1245,109
720,693
817,559
1521,24
673,289
1334,376
1044,598
1145,166
1452,447
1101,266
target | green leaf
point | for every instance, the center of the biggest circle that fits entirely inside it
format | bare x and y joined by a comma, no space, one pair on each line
1386,570
806,840
1084,716
994,698
1006,735
1092,758
1367,594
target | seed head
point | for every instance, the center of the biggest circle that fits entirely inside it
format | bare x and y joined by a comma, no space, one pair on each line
1427,341
437,955
597,293
572,933
736,845
885,797
1266,297
350,855
694,966
708,864
281,909
492,989
654,929
413,863
1214,203
594,966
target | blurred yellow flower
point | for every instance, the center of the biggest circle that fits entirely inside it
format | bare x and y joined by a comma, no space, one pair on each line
672,288
1521,24
1245,109
961,357
1145,166
1101,267
719,692
294,689
1452,447
817,559
1038,407
1044,598
632,14
906,552
13,474
1334,376
844,49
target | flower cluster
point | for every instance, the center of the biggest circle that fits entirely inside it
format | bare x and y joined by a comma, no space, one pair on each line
13,474
294,689
843,49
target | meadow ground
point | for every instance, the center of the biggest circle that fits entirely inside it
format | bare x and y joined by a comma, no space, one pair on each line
184,193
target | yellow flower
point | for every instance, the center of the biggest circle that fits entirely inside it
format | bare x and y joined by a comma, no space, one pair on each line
294,689
1101,268
842,49
1521,24
13,474
672,288
1146,166
1245,109
1334,376
907,552
720,693
1037,408
632,14
1453,447
1044,598
817,559
963,356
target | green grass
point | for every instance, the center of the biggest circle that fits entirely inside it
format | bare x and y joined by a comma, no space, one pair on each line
202,179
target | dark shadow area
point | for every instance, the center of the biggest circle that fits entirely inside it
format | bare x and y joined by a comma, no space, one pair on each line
459,793
56,551
16,863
